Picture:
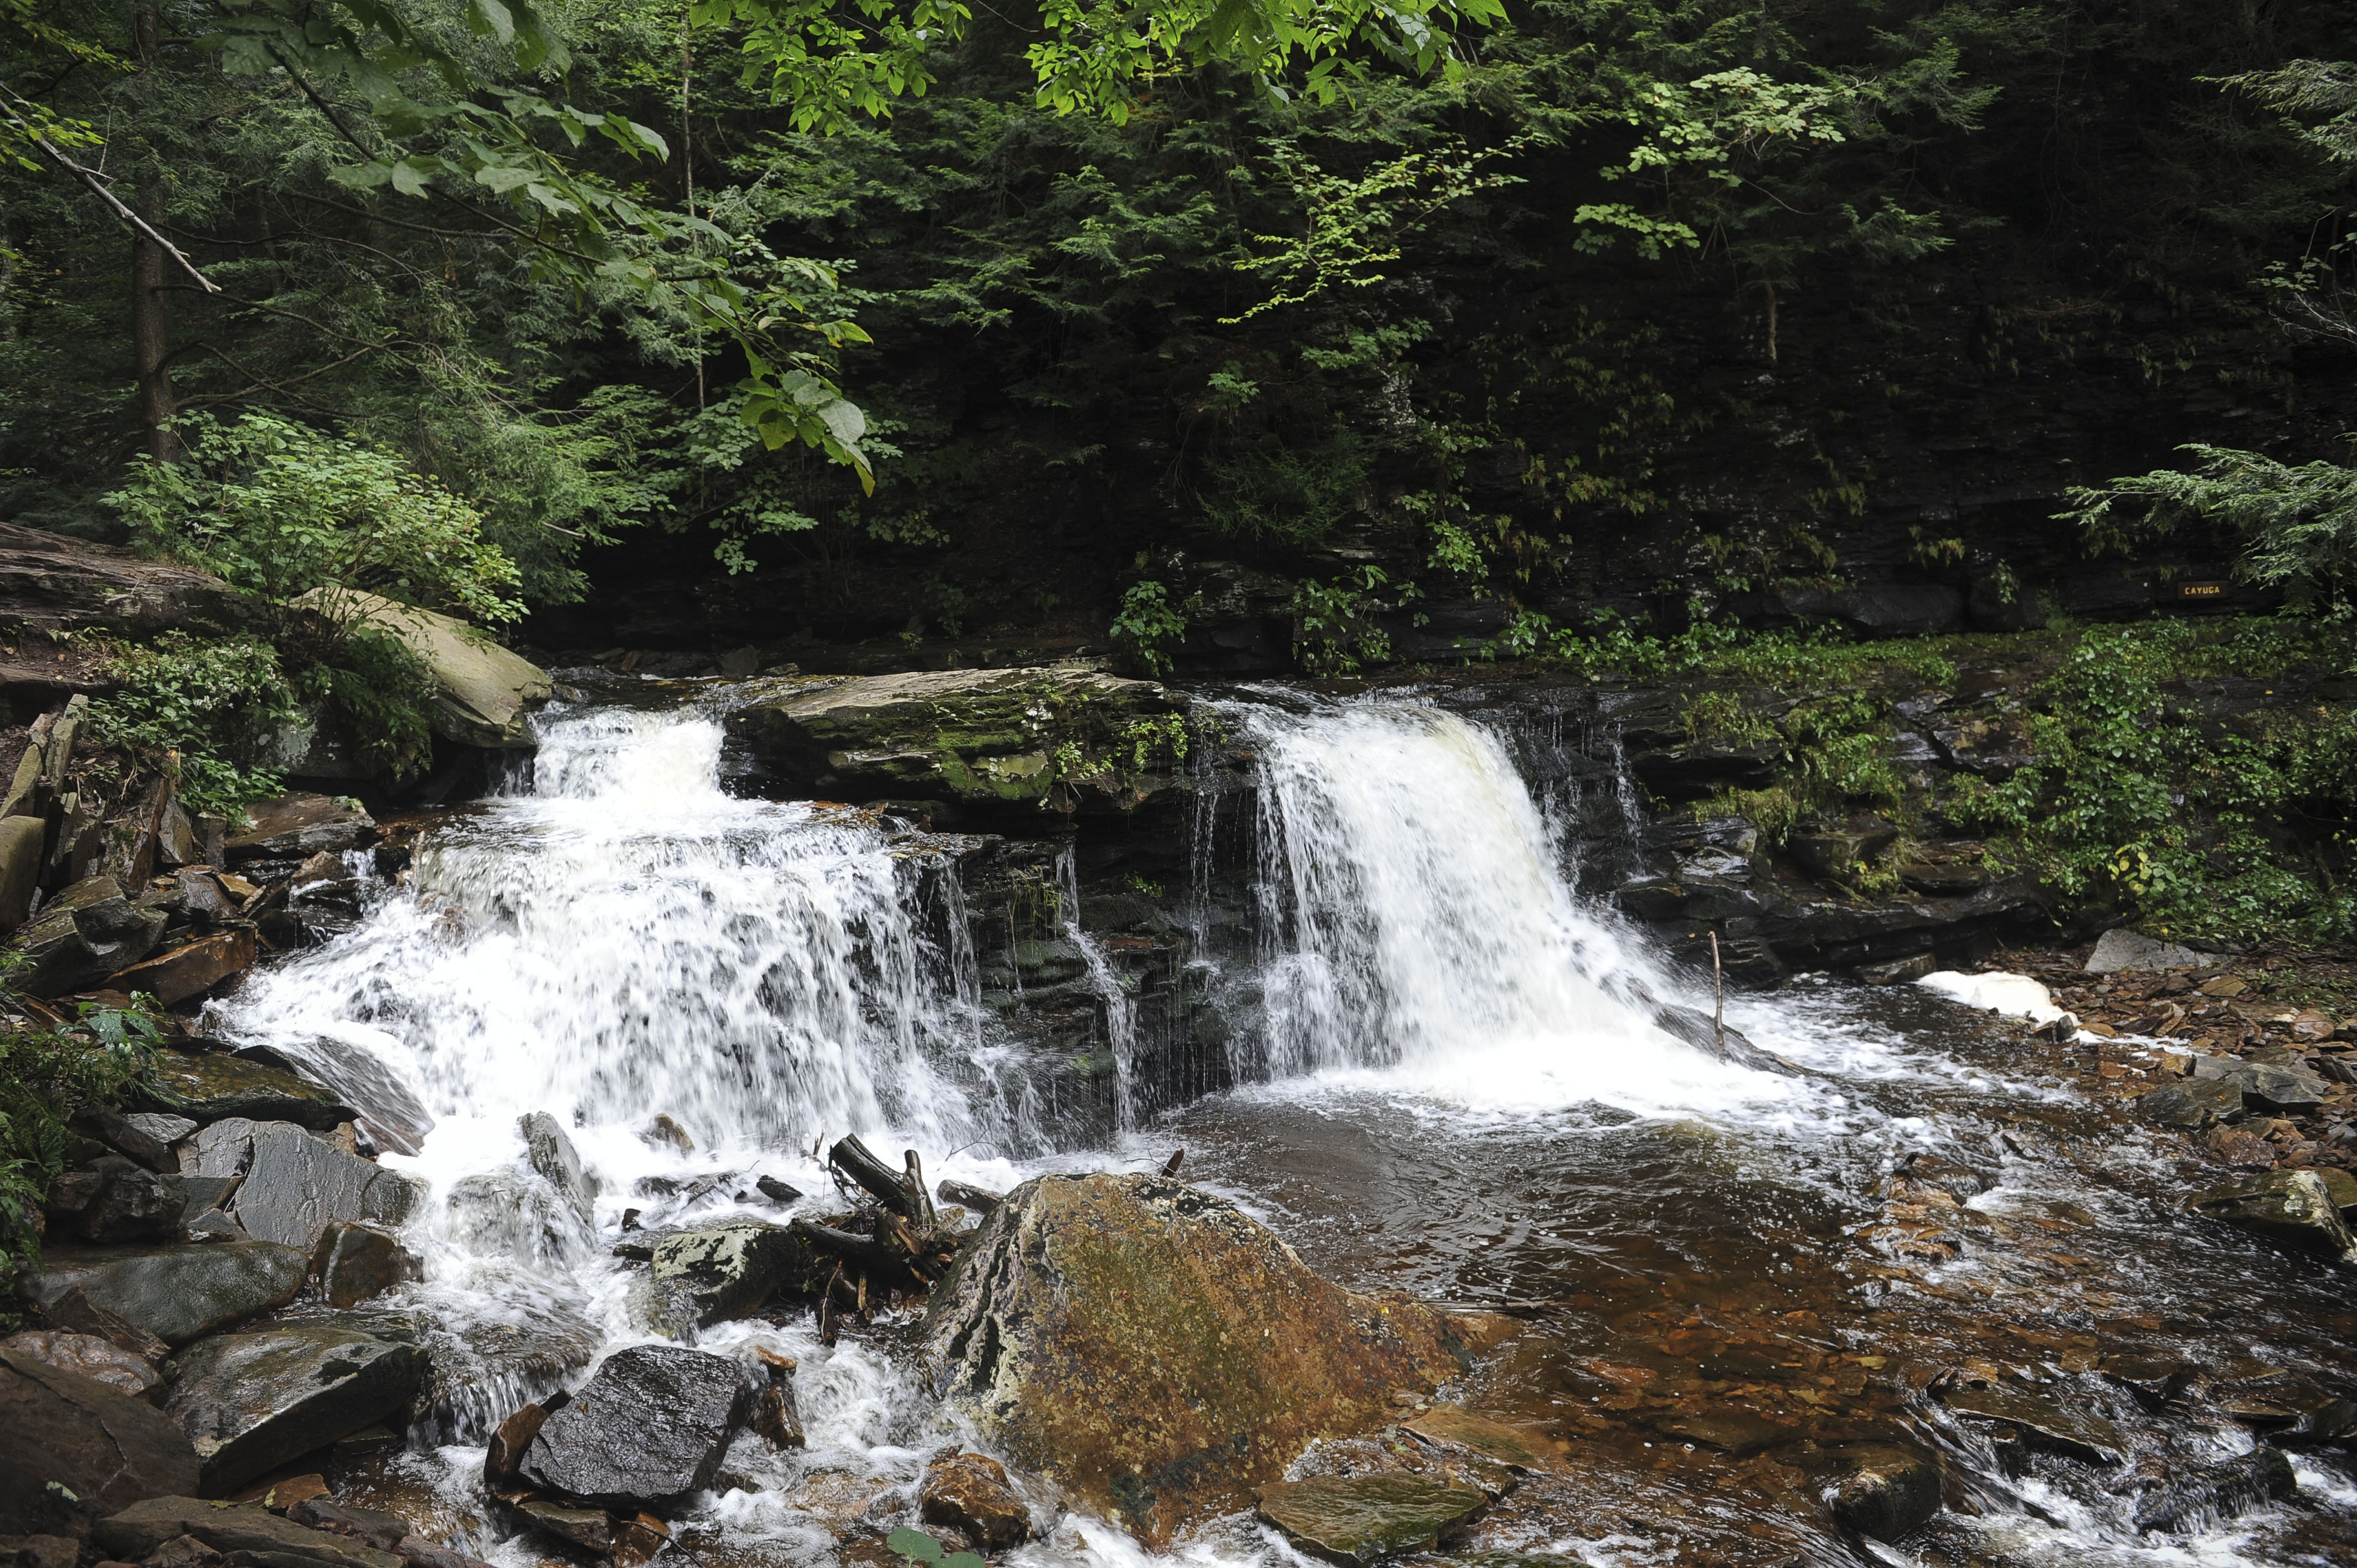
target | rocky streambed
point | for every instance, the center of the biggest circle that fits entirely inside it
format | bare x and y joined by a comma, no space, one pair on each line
1303,1164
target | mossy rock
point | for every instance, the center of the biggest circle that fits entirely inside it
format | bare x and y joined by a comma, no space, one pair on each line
1364,1519
1060,737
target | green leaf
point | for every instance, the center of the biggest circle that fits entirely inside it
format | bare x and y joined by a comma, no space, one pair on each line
916,1545
505,176
409,178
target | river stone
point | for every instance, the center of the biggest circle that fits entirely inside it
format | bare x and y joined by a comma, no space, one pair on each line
146,1137
1883,1491
105,1448
249,1532
99,1359
651,1425
356,1262
1734,1433
2047,1424
2293,1206
252,1402
191,969
1157,1353
728,1270
296,827
1509,1443
297,1186
482,692
968,1493
84,934
2193,1104
2203,1495
974,735
548,1151
175,1293
2273,1086
216,1087
2120,948
506,1212
1362,1518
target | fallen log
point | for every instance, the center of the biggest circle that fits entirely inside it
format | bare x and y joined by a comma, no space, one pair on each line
980,1199
878,1180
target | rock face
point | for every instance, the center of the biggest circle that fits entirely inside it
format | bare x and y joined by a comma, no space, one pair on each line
482,692
1362,1518
175,1293
980,737
968,1493
56,583
1153,1351
105,1448
296,827
84,934
297,1186
651,1425
250,1401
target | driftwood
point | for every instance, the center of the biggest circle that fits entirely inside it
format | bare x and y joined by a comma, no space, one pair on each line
878,1180
980,1199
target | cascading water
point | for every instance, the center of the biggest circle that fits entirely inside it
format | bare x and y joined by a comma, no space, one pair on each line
1471,1097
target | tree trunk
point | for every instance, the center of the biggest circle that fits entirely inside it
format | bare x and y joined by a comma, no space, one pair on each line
151,329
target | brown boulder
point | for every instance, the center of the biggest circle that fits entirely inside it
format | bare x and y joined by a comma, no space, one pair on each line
72,1449
296,827
86,1354
192,969
968,1492
1151,1349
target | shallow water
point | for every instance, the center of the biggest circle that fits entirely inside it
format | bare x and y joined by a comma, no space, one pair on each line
1452,1085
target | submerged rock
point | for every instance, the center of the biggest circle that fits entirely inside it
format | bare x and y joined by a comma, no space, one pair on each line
1157,1353
1360,1519
2043,1424
968,1493
651,1426
175,1293
1509,1443
1883,1491
71,1449
2206,1494
511,1213
252,1402
2292,1206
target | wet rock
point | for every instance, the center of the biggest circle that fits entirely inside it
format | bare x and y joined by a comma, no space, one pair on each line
2193,1104
588,1528
175,1293
728,1271
250,1534
776,1191
2153,1380
1734,1433
84,934
356,1262
191,969
968,1493
101,1360
1363,1519
351,1062
1883,1492
38,1551
1507,1442
513,1436
2293,1205
72,1449
216,1087
146,1137
297,1186
2120,948
2270,1086
2043,1424
972,737
509,1212
551,1153
112,1200
296,827
481,1359
1158,1353
664,1132
250,1401
776,1415
481,691
651,1425
2206,1494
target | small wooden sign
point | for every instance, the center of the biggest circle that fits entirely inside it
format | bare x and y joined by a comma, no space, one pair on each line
2200,590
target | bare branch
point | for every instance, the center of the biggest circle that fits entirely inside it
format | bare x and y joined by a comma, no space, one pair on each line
97,184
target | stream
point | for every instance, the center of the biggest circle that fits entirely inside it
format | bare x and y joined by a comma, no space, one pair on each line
1448,1082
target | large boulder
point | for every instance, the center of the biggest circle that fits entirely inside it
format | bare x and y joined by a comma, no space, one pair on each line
482,692
191,969
175,1293
217,1087
297,1186
71,1449
651,1426
101,1360
247,1534
84,934
728,1270
296,827
1157,1353
250,1402
982,738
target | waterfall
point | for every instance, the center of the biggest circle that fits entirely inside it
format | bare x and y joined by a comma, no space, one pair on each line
1414,921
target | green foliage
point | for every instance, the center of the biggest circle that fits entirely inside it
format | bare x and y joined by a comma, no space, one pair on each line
1148,626
2298,524
279,509
1337,627
219,704
48,1077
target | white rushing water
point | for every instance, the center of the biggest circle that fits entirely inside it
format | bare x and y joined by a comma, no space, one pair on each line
621,940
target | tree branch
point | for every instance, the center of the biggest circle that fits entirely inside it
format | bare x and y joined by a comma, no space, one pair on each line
97,184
